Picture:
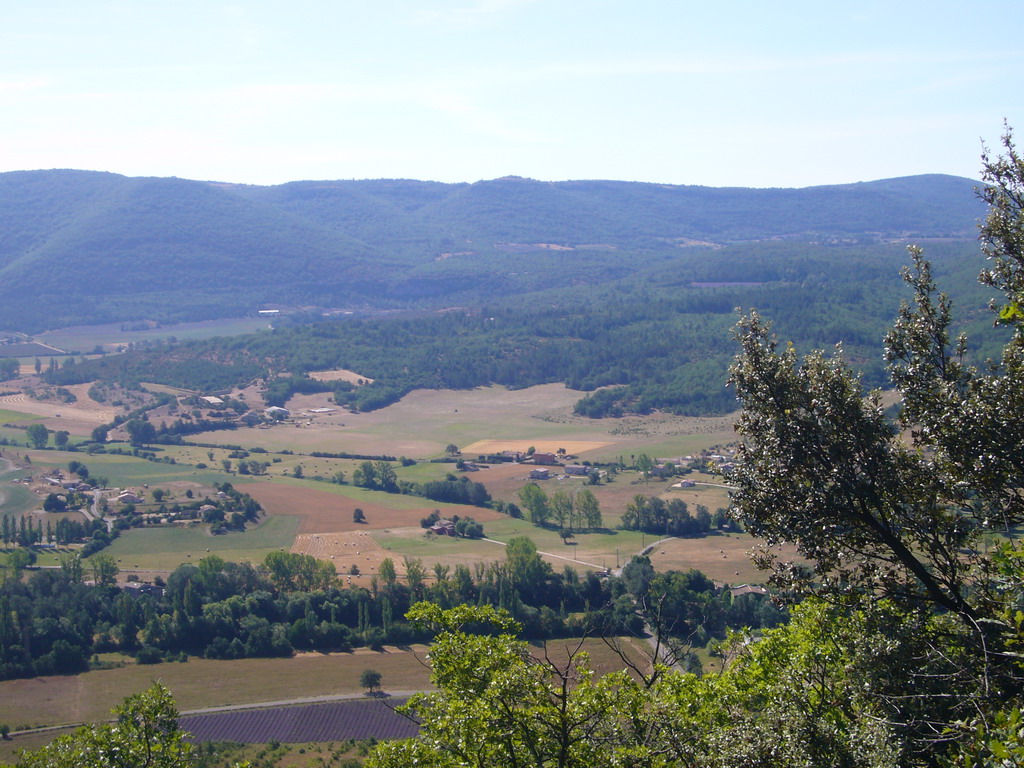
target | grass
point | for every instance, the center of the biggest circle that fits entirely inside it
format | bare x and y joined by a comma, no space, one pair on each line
90,696
723,557
8,416
201,683
84,338
425,421
123,470
165,548
603,549
14,437
15,498
391,500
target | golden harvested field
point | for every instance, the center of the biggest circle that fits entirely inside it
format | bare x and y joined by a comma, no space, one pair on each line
423,422
723,557
325,512
339,375
85,409
56,700
343,550
573,447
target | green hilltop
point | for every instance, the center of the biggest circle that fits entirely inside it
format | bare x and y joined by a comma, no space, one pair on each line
79,246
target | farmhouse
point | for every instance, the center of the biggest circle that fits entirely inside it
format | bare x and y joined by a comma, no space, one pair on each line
212,400
540,473
748,589
577,469
141,588
544,458
129,497
443,528
276,410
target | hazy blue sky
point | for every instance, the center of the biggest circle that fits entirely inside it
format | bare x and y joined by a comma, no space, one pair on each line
724,94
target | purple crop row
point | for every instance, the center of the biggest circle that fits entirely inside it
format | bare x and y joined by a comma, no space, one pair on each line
334,721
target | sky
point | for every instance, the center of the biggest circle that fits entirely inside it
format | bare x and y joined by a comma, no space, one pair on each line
752,94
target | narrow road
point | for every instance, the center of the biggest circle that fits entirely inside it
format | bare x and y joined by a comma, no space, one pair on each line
94,512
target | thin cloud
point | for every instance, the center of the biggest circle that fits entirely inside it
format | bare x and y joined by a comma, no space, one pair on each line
475,12
26,84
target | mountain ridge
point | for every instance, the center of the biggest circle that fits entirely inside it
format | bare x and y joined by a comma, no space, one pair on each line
133,247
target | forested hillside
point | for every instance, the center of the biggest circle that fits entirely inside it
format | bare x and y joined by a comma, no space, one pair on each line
86,247
658,339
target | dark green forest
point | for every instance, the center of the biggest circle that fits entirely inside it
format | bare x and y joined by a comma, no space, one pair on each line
53,622
655,340
82,247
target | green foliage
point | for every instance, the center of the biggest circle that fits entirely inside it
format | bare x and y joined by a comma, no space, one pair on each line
294,571
9,367
145,735
38,435
370,679
776,704
164,248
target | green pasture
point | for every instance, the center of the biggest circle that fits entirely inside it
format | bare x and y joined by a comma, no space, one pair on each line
167,390
390,500
123,470
13,417
14,437
599,548
45,558
672,446
415,543
15,498
165,548
425,471
84,338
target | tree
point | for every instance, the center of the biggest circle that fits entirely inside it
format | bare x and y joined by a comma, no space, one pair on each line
451,449
60,439
588,509
387,572
496,704
358,516
561,506
9,367
104,569
644,465
38,435
532,497
370,679
20,559
140,431
821,466
145,735
54,503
